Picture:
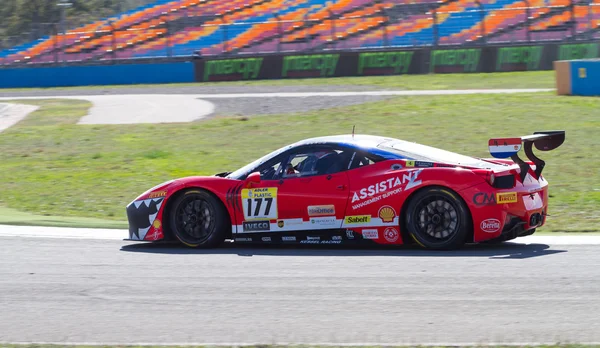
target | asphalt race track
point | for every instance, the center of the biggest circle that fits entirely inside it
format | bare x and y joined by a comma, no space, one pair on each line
80,289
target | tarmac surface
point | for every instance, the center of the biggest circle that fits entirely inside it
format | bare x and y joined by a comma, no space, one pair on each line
81,287
193,103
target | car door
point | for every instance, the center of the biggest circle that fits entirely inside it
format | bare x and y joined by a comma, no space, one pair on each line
307,189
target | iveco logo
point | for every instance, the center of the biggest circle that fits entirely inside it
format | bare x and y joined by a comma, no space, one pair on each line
490,225
250,226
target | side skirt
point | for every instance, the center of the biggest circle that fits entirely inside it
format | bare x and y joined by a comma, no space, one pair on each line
330,237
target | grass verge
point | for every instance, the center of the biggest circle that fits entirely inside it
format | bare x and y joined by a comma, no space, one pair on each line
533,79
18,218
94,171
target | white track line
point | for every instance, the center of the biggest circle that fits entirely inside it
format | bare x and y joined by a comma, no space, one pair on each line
371,93
307,94
118,234
326,344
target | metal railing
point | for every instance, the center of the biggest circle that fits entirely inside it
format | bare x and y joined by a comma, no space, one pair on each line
403,25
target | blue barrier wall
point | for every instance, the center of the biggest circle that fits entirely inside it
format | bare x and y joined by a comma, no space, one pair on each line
585,77
97,75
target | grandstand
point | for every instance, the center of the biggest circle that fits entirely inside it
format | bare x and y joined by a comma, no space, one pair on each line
179,28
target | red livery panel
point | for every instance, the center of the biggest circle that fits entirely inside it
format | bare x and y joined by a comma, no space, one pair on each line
355,189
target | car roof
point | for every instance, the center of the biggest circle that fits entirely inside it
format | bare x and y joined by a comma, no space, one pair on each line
364,141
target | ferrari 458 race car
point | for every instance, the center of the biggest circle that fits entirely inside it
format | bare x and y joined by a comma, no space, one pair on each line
356,189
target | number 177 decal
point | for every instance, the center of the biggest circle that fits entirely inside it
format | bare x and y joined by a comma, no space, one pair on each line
260,203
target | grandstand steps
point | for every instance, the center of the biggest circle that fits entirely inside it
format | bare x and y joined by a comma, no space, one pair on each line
398,12
178,25
301,28
63,48
521,25
394,15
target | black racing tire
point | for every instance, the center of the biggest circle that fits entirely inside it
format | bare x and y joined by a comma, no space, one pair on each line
437,219
198,219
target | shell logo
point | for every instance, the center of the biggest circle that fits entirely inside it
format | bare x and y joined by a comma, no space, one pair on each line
156,224
387,213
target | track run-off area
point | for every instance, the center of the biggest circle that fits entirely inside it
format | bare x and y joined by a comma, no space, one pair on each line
142,106
66,285
75,285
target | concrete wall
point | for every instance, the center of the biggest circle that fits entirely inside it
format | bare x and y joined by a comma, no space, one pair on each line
123,74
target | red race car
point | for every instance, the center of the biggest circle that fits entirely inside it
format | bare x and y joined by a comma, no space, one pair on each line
356,189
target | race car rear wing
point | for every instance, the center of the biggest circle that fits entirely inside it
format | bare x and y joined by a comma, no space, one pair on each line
509,147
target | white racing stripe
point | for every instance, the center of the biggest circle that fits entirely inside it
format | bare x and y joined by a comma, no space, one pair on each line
117,234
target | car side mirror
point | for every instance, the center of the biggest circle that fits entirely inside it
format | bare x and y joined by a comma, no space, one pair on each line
253,178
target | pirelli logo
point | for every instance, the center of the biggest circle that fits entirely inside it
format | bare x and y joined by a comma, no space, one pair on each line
506,197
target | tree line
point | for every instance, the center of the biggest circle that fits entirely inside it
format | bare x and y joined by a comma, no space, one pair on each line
25,20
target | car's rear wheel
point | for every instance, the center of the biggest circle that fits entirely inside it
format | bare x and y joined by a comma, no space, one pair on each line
436,218
198,219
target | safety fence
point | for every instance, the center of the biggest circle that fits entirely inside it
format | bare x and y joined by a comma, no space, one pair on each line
379,25
295,65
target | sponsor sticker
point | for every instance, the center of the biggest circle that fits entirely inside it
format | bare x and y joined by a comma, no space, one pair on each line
288,239
243,239
260,203
331,242
506,197
310,240
387,213
266,239
321,210
157,194
358,219
350,234
412,164
280,223
482,199
323,221
154,235
370,234
156,223
386,188
490,225
391,234
336,238
250,226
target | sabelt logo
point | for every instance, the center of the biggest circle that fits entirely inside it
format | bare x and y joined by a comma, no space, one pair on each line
490,225
256,226
319,210
358,219
506,197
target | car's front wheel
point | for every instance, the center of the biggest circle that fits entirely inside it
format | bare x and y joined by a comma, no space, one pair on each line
198,219
436,218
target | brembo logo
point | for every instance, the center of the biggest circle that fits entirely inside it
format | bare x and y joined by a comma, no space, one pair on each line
490,225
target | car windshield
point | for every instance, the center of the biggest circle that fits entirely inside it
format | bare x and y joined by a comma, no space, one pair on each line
238,174
421,152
